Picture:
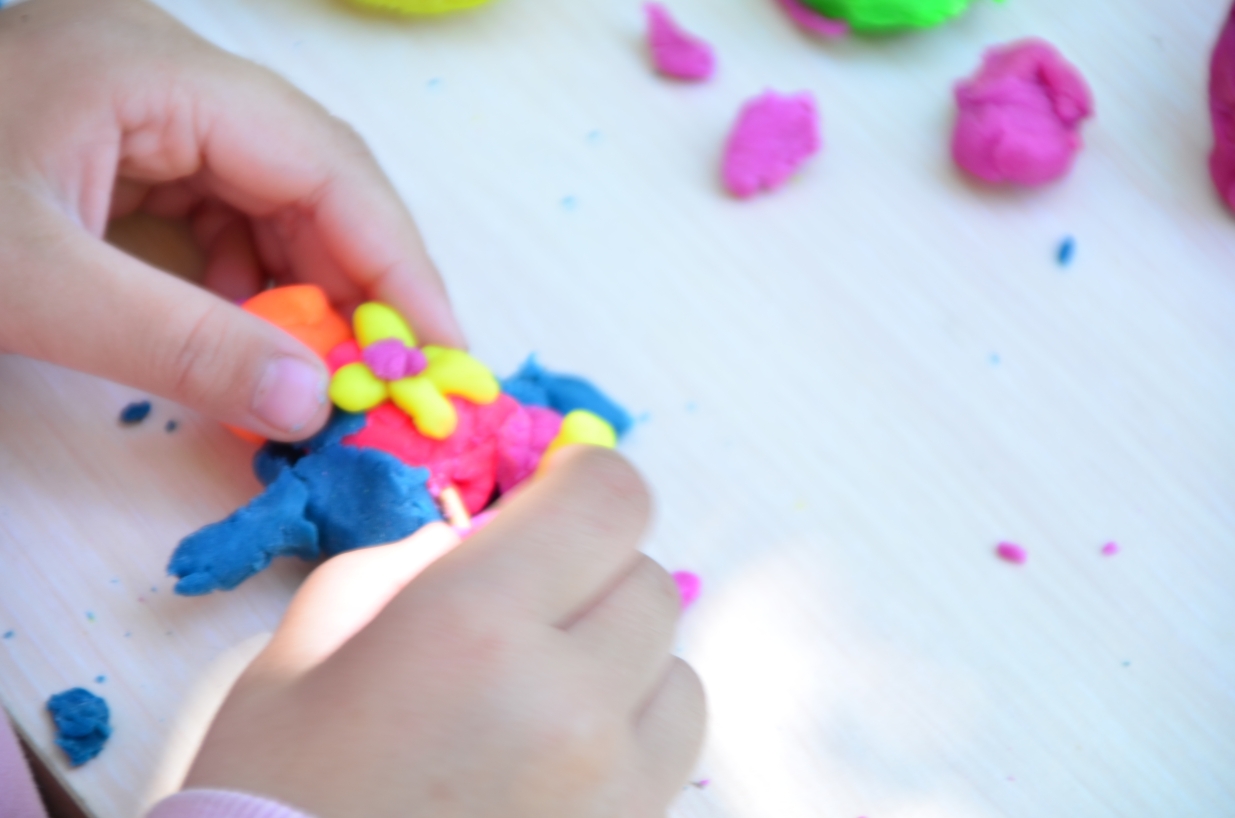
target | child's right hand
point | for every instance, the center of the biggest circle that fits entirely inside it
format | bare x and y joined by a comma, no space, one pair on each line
525,674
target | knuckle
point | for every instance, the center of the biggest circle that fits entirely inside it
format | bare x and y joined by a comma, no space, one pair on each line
582,735
660,587
623,493
197,367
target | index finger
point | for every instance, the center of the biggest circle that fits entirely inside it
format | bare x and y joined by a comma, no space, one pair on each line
258,144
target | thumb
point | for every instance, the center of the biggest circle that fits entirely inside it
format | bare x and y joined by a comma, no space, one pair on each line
69,298
343,595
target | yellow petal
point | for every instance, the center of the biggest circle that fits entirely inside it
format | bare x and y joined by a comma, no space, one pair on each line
585,428
433,414
374,321
354,388
455,372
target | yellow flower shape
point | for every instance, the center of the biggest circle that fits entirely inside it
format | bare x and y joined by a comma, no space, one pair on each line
418,381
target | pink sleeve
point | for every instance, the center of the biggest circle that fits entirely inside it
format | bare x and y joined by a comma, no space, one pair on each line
220,804
18,798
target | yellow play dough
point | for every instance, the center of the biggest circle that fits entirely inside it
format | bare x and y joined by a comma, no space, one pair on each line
420,6
456,373
354,388
374,321
583,427
431,411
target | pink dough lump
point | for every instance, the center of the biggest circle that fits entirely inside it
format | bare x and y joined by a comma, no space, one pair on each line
809,20
1019,118
675,52
773,136
1222,112
1011,552
689,586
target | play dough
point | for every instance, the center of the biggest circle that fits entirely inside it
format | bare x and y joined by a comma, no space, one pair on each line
420,6
877,16
82,722
810,20
380,473
1019,118
773,136
1222,112
677,53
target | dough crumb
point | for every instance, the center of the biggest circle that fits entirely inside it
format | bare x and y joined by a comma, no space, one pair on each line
774,136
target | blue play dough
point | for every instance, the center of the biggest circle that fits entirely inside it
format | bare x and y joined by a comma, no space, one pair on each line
135,412
332,500
362,497
223,555
272,458
533,385
82,723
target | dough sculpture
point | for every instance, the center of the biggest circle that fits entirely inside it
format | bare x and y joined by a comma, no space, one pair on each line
1019,118
416,430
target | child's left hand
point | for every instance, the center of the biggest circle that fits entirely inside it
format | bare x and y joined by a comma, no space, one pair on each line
110,106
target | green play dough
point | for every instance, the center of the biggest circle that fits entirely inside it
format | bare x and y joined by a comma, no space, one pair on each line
889,15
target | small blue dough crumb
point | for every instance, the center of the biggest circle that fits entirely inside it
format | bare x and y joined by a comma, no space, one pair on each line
362,497
135,412
533,385
82,723
100,679
225,554
9,634
272,458
171,426
1066,252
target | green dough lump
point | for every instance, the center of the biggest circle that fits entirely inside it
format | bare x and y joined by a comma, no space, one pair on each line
889,15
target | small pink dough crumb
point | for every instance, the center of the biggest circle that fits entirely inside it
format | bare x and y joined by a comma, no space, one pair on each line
812,21
677,53
1110,549
773,137
1019,118
689,586
1012,553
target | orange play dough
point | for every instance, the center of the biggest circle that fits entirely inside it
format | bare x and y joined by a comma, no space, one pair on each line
303,311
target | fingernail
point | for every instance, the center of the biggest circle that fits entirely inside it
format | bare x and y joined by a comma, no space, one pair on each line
290,394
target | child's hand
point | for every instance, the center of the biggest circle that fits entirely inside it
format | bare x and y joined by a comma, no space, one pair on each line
110,106
525,674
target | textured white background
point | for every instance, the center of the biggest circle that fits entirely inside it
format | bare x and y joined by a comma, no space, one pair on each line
854,389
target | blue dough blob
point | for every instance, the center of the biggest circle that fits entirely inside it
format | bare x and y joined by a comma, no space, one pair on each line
225,554
82,723
533,385
340,425
362,497
135,412
273,457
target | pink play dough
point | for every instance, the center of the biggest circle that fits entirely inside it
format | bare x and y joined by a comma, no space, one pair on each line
689,586
810,20
1222,112
773,136
677,53
1018,119
1012,553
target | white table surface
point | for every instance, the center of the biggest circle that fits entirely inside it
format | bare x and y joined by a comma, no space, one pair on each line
854,389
